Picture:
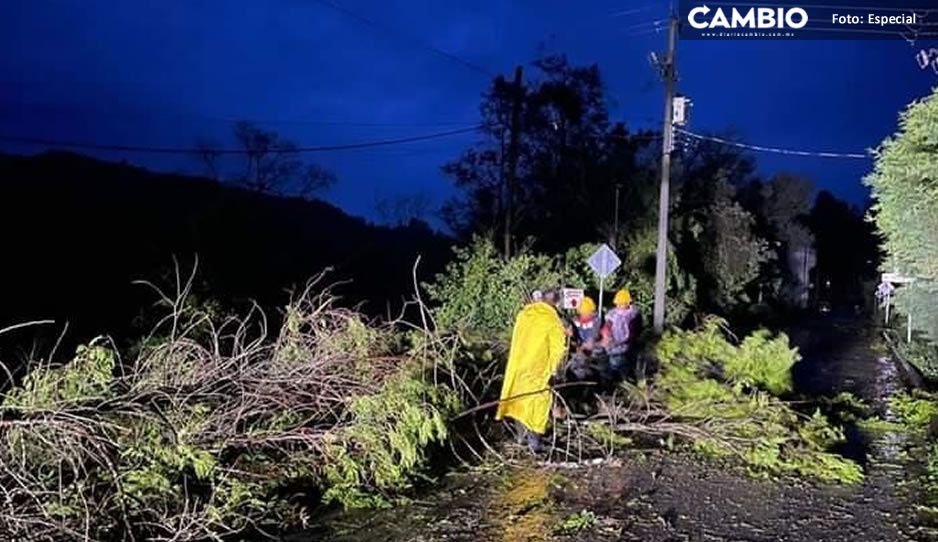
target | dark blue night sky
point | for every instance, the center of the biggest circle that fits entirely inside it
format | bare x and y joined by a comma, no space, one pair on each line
172,72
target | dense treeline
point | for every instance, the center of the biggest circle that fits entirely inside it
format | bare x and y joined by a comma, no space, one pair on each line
738,239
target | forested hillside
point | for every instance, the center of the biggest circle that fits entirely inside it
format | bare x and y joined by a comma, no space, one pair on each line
79,231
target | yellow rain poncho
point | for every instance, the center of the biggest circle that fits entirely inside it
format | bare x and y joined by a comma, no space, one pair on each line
538,346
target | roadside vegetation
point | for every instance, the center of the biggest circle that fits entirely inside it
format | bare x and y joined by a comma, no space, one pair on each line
714,393
213,426
906,215
217,427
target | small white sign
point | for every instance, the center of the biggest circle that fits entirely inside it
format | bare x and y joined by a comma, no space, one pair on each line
571,297
897,278
604,261
679,110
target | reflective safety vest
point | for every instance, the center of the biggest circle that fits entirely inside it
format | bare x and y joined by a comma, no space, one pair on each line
587,331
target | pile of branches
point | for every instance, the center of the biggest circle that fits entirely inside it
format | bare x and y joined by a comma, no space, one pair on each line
215,429
713,393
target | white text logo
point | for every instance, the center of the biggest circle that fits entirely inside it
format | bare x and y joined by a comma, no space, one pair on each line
753,18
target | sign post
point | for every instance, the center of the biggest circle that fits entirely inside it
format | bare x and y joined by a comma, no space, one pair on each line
887,286
603,262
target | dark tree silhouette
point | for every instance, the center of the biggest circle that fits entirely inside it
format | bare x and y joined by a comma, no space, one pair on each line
571,158
273,166
848,252
400,210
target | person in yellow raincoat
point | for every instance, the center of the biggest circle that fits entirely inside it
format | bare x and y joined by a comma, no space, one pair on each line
538,347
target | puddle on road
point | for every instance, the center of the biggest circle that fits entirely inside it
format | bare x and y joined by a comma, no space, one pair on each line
517,506
888,446
523,511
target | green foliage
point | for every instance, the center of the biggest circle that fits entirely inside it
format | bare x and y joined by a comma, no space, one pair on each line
921,353
86,377
638,275
905,191
704,376
915,411
879,426
764,361
583,520
576,272
848,401
827,467
161,471
733,254
158,463
386,443
481,292
607,436
216,431
355,339
930,476
818,433
690,358
85,380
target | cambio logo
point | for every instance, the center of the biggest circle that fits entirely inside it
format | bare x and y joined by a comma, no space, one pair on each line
753,18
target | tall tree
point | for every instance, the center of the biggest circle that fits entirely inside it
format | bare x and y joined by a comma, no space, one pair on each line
272,164
905,190
785,206
570,161
847,250
480,173
732,252
716,237
403,209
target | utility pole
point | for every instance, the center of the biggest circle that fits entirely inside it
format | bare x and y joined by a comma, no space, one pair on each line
664,197
517,94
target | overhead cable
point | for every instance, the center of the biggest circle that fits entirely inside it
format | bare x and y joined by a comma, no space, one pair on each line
231,151
411,40
775,150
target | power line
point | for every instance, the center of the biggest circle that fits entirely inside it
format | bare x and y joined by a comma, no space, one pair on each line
646,32
776,150
632,11
657,24
403,37
230,151
85,110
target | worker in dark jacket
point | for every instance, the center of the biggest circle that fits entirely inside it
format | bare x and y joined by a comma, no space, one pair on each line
587,326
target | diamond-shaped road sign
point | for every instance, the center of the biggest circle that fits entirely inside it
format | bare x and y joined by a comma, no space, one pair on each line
604,261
